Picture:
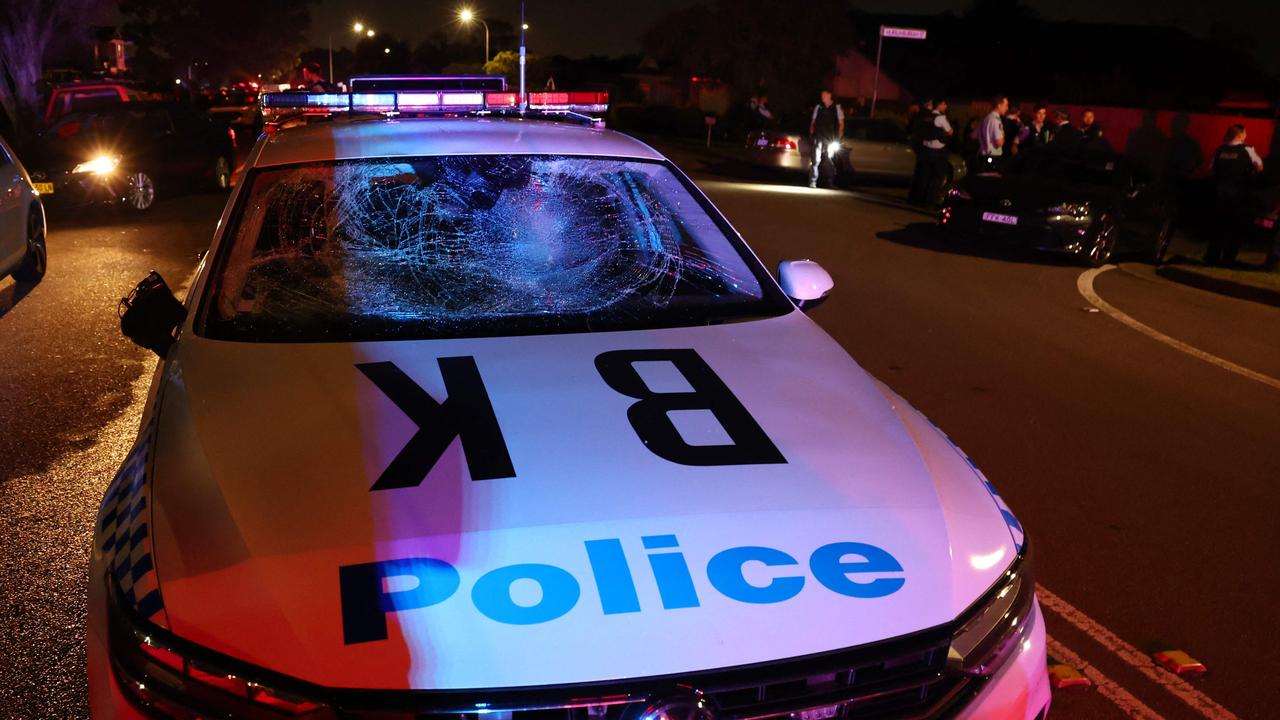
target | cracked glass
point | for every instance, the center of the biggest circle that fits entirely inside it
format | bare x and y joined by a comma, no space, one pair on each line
476,245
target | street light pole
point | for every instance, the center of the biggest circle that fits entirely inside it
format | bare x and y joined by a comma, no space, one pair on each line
330,58
486,39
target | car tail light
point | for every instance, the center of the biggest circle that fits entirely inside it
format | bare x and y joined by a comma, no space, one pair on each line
231,132
784,144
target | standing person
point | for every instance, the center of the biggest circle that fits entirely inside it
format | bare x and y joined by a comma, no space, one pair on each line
1234,163
918,130
1065,135
1036,134
1013,128
934,147
826,127
991,135
313,81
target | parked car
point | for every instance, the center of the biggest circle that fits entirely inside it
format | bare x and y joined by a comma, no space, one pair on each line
23,252
76,97
126,153
1088,208
870,147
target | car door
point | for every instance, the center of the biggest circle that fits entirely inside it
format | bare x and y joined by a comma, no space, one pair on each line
864,152
897,157
13,216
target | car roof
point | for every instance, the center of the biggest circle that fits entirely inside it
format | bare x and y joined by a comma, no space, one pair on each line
407,137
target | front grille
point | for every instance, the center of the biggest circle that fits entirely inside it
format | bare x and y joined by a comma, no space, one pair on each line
901,678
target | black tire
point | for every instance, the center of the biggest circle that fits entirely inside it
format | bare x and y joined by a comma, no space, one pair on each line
36,261
1161,240
139,191
222,169
1102,238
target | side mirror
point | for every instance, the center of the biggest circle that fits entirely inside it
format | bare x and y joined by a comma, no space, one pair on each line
805,282
150,315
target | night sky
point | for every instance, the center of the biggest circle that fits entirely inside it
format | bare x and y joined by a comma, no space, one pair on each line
581,27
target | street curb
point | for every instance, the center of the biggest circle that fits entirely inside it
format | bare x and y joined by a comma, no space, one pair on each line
1222,286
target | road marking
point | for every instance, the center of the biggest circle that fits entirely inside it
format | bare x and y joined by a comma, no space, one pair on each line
1084,284
1108,688
1133,657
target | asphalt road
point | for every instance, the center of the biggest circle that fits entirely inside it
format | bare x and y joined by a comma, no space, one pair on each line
1145,475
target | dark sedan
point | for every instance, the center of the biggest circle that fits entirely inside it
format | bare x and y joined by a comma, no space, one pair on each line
1088,208
126,153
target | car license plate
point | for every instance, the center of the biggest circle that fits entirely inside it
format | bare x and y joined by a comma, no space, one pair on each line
43,188
762,142
821,713
998,218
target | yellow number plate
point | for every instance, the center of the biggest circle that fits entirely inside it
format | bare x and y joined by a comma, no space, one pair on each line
43,188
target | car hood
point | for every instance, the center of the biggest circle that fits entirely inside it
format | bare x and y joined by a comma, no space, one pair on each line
268,537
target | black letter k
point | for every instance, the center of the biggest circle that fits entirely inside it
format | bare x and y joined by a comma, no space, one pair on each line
466,413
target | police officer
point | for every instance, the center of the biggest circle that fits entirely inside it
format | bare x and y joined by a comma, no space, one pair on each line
1234,163
918,130
826,127
934,147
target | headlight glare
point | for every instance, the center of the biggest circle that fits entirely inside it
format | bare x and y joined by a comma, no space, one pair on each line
100,165
1078,210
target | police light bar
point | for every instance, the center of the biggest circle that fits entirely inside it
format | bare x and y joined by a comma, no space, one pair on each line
420,102
573,101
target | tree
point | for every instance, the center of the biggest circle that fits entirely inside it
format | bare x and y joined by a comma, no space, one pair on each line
507,64
26,29
223,39
756,45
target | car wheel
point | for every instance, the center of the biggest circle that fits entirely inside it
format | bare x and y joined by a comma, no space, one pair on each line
36,261
222,174
140,191
1102,240
1160,242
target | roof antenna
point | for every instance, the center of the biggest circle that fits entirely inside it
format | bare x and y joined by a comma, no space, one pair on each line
524,99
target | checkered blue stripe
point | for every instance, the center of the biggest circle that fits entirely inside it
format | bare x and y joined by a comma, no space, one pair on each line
1015,527
124,532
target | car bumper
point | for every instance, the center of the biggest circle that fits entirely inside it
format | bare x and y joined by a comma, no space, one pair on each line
779,159
86,188
1065,235
1018,690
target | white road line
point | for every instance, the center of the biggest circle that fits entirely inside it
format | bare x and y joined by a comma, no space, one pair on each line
1084,284
1134,657
1108,688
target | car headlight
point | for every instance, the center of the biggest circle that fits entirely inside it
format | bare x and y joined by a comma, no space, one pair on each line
991,628
176,678
100,165
1076,210
832,149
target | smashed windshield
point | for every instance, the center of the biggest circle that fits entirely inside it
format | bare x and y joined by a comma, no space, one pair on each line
475,245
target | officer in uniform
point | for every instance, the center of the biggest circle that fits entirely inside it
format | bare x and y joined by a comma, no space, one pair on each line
918,130
936,164
826,127
1234,163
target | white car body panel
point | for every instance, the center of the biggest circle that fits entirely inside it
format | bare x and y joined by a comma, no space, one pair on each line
292,437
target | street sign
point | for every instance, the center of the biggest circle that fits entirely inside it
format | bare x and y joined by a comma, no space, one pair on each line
904,33
891,32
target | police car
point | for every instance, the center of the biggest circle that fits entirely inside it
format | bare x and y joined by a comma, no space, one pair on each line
477,408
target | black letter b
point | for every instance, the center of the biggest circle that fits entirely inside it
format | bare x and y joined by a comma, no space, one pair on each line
648,416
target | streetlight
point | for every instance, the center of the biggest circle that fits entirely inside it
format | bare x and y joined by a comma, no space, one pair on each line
465,16
357,28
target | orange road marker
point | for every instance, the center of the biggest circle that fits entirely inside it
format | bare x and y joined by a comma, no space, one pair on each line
1178,662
